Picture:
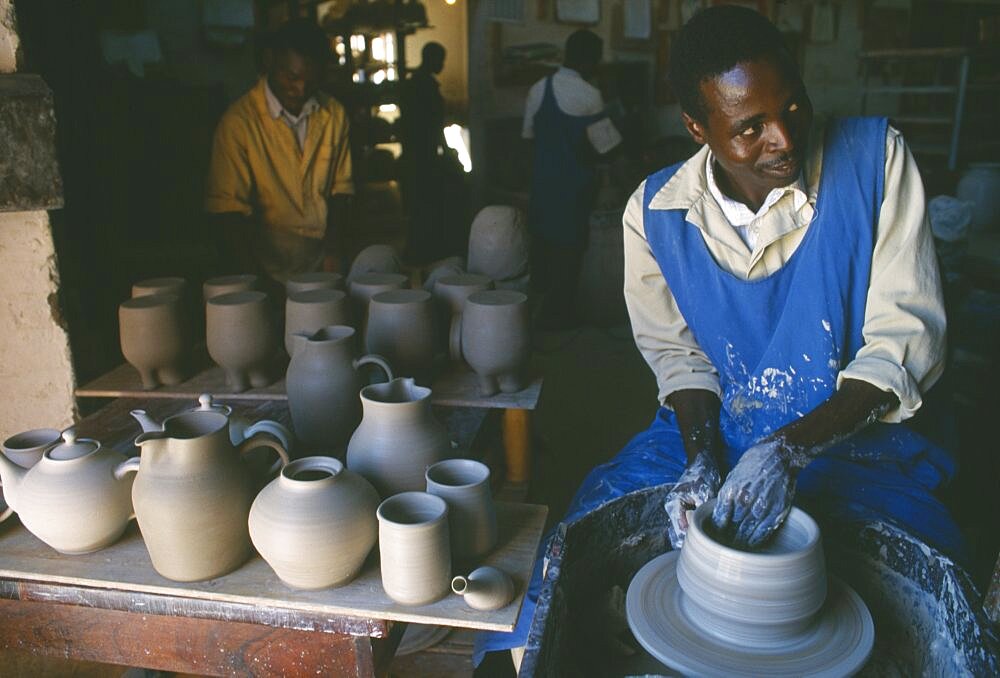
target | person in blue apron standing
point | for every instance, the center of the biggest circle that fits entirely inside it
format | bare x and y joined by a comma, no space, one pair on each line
564,118
783,287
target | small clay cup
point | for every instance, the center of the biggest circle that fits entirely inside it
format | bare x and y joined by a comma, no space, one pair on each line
414,548
154,338
465,485
26,448
495,339
169,285
402,329
311,310
451,291
227,284
317,280
241,338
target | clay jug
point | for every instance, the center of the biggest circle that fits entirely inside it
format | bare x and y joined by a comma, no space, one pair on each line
402,327
323,384
315,523
310,310
192,495
241,338
495,339
72,498
153,331
486,588
398,437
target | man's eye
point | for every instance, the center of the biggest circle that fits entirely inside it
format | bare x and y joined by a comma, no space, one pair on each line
750,131
793,108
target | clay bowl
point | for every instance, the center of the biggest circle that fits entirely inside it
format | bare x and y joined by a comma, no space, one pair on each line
767,596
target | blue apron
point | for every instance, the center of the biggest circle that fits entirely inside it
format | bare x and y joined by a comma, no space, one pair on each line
563,181
778,344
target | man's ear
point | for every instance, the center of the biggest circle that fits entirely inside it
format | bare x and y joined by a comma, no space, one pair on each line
694,128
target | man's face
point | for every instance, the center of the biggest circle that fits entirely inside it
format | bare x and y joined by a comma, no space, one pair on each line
757,125
293,78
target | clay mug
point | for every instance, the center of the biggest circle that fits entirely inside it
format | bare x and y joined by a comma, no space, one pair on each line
310,310
26,448
323,383
465,485
402,327
71,499
193,492
451,291
398,437
168,285
495,339
241,338
413,547
315,523
227,284
315,280
365,286
154,338
486,588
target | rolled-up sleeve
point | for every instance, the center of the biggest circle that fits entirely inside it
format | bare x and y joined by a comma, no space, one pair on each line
904,328
230,181
661,333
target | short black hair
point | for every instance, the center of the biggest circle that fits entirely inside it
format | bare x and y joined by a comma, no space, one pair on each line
583,47
712,42
432,50
302,36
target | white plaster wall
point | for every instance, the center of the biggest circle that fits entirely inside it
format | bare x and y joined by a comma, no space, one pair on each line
8,38
450,28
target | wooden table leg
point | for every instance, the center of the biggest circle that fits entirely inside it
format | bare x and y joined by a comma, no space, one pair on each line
517,445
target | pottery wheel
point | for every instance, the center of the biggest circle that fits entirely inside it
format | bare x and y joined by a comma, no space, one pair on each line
836,644
419,637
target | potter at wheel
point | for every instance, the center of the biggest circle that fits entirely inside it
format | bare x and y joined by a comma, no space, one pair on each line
713,610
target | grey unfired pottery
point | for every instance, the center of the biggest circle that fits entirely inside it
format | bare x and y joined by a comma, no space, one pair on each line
465,485
316,280
365,286
192,495
402,327
167,285
323,386
241,338
398,437
26,448
374,259
315,523
415,557
154,338
227,284
495,339
310,310
451,291
486,588
498,243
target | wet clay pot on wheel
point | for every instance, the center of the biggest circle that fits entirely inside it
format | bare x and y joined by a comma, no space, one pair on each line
168,285
241,338
495,339
398,437
415,557
227,284
307,312
402,327
316,280
315,523
323,385
153,336
451,291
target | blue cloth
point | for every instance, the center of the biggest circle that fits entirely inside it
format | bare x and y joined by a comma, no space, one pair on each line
563,179
778,351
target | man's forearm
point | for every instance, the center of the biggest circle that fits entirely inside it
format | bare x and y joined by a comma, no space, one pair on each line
697,414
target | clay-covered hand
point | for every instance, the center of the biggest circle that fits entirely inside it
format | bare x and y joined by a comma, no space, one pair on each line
757,495
699,483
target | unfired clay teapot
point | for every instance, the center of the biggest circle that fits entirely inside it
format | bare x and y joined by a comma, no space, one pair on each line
71,499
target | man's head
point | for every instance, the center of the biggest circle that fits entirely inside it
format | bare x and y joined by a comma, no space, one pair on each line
740,92
432,57
295,57
583,52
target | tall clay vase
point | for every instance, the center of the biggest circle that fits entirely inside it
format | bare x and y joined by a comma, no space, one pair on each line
451,291
315,523
168,285
316,280
495,339
227,284
403,328
310,310
241,338
398,437
472,518
415,557
323,384
154,338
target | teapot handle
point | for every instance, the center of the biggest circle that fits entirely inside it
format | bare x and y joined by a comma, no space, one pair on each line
264,439
375,359
130,465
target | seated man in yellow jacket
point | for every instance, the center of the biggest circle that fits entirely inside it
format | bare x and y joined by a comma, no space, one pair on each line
279,183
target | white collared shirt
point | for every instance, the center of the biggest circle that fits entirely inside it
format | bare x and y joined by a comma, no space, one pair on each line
299,124
574,96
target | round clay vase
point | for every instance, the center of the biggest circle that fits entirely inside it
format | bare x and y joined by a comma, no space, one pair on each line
316,280
71,499
451,292
486,588
495,339
398,437
498,243
402,327
323,385
374,259
153,336
241,338
310,310
168,285
227,284
315,523
415,556
472,518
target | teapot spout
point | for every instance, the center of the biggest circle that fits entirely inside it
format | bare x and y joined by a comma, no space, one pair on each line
147,423
11,476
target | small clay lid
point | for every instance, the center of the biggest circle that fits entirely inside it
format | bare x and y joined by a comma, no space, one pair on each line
71,447
206,403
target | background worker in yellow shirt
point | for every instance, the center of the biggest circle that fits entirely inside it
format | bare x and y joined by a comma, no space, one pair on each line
279,183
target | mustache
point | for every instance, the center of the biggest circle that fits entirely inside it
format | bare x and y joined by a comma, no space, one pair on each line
773,164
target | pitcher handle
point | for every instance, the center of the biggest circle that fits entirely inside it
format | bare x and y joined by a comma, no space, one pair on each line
375,359
264,439
276,429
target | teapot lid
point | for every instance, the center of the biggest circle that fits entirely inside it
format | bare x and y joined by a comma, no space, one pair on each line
205,403
71,447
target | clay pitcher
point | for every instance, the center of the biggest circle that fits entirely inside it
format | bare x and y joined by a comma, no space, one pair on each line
398,438
192,495
323,384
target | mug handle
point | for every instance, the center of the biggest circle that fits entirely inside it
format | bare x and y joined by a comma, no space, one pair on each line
375,359
263,439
